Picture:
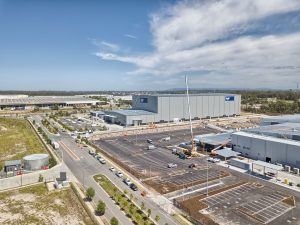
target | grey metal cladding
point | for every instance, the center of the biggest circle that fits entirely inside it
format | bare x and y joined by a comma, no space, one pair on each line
168,107
150,105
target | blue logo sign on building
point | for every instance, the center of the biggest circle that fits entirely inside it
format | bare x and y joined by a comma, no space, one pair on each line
229,98
143,100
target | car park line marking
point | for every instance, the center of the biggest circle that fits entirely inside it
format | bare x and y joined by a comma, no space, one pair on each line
194,191
69,151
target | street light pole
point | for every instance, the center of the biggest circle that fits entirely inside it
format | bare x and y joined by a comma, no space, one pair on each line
207,172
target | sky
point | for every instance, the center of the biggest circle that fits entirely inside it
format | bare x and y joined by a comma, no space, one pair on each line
149,45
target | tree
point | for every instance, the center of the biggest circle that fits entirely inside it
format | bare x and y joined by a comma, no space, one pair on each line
100,210
125,192
138,217
114,221
166,224
143,206
90,193
131,209
157,218
131,197
149,212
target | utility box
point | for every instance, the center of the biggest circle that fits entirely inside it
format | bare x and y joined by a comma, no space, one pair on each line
296,171
287,169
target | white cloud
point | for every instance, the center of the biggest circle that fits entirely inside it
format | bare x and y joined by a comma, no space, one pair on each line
104,44
207,37
130,36
113,47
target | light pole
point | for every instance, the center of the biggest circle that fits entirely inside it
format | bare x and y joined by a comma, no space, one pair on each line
207,173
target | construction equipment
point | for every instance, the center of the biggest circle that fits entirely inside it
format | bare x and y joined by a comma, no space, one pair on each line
193,150
220,146
152,125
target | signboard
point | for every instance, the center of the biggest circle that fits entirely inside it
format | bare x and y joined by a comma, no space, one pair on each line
229,98
143,100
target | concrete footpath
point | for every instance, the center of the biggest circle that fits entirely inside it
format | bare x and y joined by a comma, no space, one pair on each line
32,178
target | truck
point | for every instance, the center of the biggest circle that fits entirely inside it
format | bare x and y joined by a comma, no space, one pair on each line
55,145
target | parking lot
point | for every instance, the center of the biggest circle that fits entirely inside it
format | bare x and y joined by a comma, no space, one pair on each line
153,164
234,195
267,208
80,124
248,202
239,202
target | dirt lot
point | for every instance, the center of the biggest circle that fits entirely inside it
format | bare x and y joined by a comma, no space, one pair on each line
17,139
35,205
237,123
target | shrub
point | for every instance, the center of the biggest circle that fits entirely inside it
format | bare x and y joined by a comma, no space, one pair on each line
100,210
114,221
90,193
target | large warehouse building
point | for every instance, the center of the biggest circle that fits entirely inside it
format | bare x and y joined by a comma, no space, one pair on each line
168,108
44,102
272,143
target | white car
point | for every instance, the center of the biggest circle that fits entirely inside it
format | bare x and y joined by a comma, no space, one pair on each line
213,160
216,160
172,165
112,169
102,161
119,174
127,181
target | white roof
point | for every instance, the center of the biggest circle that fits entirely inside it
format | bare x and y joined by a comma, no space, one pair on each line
268,138
268,165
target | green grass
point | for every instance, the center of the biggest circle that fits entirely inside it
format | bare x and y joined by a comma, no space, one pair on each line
45,208
17,139
131,210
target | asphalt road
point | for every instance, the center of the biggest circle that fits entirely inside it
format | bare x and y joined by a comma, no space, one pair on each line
84,167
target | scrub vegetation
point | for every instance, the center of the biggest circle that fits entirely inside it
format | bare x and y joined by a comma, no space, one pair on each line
17,139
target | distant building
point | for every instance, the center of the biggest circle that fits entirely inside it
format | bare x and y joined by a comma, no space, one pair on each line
169,107
45,102
99,114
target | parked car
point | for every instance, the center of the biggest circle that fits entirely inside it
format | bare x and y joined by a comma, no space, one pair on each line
112,169
213,160
216,160
92,151
172,165
151,147
133,187
102,161
193,165
119,174
149,141
127,181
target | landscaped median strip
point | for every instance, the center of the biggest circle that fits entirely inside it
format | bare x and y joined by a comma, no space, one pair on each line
130,208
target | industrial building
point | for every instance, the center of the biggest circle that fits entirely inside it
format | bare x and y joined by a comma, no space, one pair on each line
270,149
44,102
295,118
170,108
